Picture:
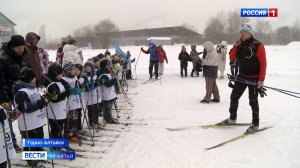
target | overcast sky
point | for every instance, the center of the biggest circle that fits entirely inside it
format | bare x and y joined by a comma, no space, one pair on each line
61,17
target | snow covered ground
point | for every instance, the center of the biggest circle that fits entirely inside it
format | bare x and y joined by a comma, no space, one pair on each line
174,102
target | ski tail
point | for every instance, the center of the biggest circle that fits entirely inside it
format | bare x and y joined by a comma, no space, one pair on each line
206,126
224,125
238,137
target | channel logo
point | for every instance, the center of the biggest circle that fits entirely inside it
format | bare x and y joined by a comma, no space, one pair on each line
48,155
34,155
259,12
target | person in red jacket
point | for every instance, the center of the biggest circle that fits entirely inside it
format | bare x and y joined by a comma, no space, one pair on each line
162,58
250,56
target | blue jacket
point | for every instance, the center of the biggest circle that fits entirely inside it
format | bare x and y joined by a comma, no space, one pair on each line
152,50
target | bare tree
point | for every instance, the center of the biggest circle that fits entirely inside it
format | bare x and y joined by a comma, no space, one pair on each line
52,43
215,29
104,29
263,31
85,31
284,35
296,30
42,34
234,22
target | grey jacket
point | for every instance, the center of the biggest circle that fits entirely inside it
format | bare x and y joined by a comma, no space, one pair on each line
210,62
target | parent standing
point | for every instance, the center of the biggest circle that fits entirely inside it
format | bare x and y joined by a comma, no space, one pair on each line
210,72
33,55
70,54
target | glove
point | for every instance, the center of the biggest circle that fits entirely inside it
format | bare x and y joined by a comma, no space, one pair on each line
133,60
3,116
90,86
81,81
83,75
262,92
230,84
142,49
6,105
75,91
45,99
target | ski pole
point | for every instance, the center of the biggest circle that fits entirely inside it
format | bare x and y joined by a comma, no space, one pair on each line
85,118
52,163
135,64
6,146
116,108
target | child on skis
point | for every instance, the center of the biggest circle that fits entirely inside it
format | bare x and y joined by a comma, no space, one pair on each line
73,101
4,141
129,66
108,91
59,90
117,71
31,104
92,95
78,74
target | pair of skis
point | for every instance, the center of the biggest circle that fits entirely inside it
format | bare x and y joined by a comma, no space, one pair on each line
222,125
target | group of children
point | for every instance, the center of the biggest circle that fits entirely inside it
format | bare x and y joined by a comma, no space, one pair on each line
71,90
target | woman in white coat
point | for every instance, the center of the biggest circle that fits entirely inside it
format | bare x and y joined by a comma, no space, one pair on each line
70,54
222,51
210,72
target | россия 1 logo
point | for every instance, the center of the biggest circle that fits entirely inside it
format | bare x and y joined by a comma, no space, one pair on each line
259,12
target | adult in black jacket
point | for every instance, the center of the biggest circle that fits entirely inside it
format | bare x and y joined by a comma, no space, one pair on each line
184,57
12,60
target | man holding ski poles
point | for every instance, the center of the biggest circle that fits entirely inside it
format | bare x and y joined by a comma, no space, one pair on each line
251,57
154,59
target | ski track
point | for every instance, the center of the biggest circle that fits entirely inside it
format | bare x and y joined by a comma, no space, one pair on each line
174,102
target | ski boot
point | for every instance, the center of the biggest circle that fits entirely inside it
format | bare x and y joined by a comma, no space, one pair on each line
227,122
252,128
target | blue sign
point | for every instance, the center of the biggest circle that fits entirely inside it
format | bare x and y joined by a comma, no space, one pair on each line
40,143
254,12
57,155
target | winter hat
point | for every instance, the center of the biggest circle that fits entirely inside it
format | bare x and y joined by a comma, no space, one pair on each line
17,40
106,53
79,66
100,56
68,67
72,41
246,28
193,47
55,69
104,64
95,59
91,64
26,75
224,43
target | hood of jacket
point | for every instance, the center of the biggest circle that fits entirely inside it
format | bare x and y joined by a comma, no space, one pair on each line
209,46
31,36
69,47
20,85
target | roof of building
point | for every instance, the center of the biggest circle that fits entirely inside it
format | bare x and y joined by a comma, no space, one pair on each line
7,19
164,31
